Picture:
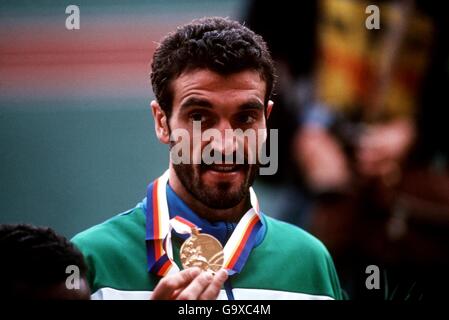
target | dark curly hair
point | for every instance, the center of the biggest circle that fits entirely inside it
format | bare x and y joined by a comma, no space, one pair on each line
218,44
33,258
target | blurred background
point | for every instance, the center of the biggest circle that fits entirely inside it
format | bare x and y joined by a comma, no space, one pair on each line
360,112
77,143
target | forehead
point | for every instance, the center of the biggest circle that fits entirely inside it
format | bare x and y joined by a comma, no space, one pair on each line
221,89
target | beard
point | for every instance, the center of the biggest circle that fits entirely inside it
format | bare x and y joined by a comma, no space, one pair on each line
223,195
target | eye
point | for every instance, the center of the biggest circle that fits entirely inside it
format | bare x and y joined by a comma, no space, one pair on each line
197,116
246,118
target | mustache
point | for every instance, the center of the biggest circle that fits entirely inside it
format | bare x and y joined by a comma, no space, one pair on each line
234,158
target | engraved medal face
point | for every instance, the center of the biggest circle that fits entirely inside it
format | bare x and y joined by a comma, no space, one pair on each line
203,251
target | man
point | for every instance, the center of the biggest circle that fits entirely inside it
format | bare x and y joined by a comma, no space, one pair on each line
39,264
219,75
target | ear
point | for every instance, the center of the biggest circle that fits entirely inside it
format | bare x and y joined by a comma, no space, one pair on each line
160,123
269,108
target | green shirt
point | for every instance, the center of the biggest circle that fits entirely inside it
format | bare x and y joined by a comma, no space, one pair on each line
288,263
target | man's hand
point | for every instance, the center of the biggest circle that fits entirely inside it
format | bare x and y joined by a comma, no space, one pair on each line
383,147
190,284
321,159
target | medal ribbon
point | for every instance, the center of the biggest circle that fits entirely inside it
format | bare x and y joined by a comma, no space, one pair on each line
159,227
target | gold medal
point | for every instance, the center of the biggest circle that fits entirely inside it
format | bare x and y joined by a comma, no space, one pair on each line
203,251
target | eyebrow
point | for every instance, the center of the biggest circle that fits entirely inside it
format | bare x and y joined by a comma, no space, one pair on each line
198,102
251,105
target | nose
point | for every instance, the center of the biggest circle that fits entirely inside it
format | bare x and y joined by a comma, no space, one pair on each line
227,143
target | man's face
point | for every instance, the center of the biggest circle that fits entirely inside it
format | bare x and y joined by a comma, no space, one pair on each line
222,103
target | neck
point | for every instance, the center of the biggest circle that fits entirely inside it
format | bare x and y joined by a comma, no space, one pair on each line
231,214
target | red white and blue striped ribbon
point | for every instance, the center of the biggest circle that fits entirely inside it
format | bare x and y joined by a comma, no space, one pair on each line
159,227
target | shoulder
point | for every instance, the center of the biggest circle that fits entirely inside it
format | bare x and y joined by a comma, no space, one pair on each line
292,246
113,246
114,233
294,238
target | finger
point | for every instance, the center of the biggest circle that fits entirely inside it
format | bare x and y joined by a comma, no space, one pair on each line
170,284
196,287
212,291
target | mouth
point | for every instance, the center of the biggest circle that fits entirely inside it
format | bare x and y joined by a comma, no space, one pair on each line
222,168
